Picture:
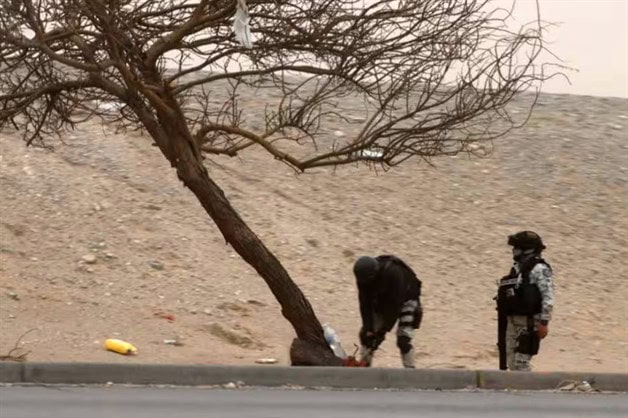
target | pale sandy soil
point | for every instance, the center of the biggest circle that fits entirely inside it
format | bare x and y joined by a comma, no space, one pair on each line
114,196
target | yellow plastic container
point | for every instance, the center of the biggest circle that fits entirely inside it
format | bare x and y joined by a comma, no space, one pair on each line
120,346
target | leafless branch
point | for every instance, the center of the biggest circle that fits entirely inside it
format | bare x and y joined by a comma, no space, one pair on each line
10,356
436,77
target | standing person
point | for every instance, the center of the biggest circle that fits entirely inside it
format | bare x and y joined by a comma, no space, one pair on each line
389,291
525,299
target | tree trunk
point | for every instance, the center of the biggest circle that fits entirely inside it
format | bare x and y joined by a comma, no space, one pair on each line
303,353
310,347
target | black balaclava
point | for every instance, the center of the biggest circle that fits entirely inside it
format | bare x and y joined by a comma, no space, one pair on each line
365,270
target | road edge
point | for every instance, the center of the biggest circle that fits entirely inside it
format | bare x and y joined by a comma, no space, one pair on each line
274,376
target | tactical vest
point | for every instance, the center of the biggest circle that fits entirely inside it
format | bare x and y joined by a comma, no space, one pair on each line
522,298
386,260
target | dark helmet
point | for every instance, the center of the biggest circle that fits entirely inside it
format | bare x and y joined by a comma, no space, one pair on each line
365,269
526,240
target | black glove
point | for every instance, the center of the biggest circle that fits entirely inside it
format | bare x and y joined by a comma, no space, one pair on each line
371,339
366,339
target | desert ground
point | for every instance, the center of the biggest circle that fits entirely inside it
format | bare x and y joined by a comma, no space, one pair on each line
99,239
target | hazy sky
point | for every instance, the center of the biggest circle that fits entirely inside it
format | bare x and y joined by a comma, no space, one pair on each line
592,37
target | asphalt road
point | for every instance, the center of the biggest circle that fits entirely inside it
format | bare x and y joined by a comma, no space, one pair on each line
136,402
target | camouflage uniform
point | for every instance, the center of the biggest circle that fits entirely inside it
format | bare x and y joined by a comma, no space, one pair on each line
406,327
389,292
541,275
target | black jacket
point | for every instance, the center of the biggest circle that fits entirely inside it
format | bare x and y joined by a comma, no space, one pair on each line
394,284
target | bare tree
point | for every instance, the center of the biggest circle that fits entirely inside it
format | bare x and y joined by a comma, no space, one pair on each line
435,77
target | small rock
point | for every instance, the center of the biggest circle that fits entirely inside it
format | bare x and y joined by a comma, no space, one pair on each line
110,256
11,316
207,311
567,386
152,207
156,265
339,134
294,387
13,295
230,385
266,361
89,258
585,386
97,245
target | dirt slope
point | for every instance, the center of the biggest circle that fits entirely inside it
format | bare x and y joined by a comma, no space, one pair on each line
99,239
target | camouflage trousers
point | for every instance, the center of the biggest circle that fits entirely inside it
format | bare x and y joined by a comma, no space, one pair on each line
405,330
517,361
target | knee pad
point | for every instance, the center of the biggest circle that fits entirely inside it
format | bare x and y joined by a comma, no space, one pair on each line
404,343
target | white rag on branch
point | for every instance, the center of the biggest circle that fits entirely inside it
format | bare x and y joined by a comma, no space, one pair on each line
241,27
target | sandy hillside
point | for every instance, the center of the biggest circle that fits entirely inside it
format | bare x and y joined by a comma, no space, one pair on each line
99,239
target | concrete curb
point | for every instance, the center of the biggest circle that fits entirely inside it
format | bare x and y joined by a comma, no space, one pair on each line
494,379
335,377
